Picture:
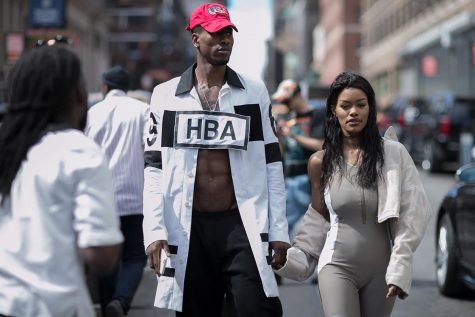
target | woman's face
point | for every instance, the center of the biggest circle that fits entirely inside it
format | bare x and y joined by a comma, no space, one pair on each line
352,111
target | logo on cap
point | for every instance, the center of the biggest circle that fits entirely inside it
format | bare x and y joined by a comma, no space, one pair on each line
217,10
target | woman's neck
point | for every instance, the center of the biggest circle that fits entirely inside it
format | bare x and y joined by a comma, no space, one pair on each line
352,142
352,150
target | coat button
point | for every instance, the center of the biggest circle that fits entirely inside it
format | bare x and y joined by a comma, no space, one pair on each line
190,174
188,204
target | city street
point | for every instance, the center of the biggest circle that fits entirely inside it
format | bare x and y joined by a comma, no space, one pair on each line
302,299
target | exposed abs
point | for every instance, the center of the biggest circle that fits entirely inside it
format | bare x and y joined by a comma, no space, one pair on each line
214,189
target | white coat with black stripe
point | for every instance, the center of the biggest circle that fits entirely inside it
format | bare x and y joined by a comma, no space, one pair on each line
170,178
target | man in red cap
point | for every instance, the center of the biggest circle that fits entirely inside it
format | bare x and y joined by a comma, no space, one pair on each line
214,197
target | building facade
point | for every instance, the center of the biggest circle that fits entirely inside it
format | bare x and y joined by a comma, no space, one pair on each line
419,48
290,51
148,37
82,22
337,38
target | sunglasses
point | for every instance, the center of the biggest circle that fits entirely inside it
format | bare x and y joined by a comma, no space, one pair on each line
58,39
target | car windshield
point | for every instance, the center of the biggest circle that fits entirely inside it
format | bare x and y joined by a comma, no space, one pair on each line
467,175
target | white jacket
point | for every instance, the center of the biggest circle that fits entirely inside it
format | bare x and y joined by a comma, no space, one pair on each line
170,177
401,200
61,200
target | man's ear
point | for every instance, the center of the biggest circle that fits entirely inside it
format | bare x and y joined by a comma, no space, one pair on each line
104,89
195,39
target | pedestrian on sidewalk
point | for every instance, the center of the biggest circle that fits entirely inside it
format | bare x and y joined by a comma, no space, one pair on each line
369,210
301,134
55,191
214,201
117,125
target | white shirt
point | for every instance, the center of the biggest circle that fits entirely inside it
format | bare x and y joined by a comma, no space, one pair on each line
117,124
170,171
61,199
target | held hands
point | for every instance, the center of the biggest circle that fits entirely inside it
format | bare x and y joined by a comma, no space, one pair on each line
278,250
393,291
154,254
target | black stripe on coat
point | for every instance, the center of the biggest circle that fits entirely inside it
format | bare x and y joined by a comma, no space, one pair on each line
254,112
168,128
265,237
169,272
153,159
273,153
173,248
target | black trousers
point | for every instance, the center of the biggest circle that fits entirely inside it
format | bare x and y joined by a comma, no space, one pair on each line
123,282
221,266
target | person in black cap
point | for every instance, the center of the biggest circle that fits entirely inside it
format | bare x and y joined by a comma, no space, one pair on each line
115,78
117,124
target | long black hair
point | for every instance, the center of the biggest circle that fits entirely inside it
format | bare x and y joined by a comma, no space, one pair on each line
41,87
371,145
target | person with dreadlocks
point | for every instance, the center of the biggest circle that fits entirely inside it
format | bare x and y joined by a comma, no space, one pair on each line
368,212
55,191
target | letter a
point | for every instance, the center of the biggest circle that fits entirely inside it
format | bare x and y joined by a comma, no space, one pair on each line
228,126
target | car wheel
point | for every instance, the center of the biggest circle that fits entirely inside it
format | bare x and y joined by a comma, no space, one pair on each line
430,161
447,267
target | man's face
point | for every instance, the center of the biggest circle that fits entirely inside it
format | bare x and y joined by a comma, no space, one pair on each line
216,47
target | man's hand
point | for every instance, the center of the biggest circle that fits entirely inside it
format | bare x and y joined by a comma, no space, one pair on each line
280,253
393,291
154,254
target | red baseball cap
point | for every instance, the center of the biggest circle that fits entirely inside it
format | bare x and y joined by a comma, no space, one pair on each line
210,16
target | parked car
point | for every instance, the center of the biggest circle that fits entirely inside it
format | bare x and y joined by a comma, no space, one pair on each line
433,136
455,236
402,113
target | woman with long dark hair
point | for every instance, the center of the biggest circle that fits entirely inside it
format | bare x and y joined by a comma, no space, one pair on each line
55,191
368,213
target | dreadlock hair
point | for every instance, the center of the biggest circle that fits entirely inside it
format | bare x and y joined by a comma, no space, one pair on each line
372,143
42,87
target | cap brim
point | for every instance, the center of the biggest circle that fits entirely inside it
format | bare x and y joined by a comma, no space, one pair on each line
217,24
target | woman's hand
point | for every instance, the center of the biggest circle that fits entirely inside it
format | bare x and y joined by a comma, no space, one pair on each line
393,291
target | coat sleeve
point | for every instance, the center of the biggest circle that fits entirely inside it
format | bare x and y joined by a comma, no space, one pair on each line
409,228
302,257
278,227
153,210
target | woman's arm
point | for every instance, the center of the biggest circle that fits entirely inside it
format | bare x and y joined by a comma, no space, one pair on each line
308,243
314,168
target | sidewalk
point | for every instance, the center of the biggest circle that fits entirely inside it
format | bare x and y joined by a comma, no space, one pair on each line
142,304
298,299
